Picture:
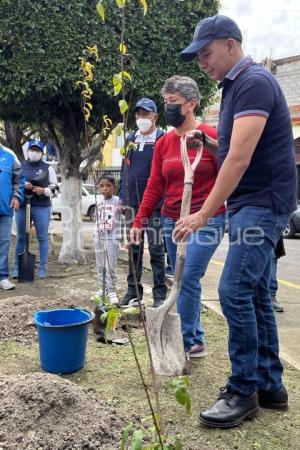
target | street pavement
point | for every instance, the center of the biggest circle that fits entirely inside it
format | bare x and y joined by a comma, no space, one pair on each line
288,293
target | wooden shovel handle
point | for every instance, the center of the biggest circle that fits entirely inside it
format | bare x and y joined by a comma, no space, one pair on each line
189,170
28,208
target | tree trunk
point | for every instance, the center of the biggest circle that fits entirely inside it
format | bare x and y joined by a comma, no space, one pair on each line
13,135
72,250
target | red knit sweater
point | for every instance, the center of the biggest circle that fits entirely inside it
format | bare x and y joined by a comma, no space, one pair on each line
167,178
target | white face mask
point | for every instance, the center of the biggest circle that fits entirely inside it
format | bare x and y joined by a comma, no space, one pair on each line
34,156
144,124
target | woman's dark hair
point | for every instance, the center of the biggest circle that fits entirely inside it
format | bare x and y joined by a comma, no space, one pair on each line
107,176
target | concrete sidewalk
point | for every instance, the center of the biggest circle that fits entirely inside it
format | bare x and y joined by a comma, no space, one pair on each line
288,322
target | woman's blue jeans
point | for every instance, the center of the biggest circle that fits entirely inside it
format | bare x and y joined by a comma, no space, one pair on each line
40,216
5,234
246,301
200,247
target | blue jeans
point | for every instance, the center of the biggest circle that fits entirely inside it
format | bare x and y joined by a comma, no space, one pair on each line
5,234
246,301
200,247
273,278
157,256
40,215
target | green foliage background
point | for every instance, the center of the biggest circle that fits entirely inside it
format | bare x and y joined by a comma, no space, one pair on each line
41,40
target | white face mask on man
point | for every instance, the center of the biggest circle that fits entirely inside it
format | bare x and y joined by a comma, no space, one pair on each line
34,156
144,124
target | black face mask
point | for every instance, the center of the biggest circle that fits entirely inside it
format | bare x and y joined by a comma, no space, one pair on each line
173,115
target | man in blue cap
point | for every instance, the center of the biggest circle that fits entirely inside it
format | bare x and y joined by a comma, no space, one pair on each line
134,176
257,177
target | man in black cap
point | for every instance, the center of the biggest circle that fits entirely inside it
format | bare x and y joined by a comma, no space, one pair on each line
257,177
134,177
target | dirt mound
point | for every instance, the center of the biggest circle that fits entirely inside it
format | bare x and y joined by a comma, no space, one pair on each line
16,321
46,412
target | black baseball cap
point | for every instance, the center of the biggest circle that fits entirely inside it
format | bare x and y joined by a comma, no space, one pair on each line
209,29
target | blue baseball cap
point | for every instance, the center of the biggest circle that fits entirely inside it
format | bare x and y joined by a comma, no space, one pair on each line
36,143
146,104
209,29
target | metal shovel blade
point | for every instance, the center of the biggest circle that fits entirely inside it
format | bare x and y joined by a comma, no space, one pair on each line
26,263
165,339
26,260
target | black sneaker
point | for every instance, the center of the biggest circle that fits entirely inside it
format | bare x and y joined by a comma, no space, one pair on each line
158,302
274,400
130,300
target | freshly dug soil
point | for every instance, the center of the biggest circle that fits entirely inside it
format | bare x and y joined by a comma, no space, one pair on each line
16,320
46,412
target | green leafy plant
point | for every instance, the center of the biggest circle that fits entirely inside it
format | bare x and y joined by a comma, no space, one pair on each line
180,387
146,438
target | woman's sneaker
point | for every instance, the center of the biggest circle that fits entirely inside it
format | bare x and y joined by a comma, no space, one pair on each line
197,351
6,284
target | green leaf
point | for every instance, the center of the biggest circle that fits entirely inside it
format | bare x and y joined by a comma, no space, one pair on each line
103,317
182,395
101,10
145,6
123,105
132,311
137,440
178,445
121,3
127,431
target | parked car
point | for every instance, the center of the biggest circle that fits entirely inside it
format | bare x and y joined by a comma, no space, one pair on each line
294,225
88,202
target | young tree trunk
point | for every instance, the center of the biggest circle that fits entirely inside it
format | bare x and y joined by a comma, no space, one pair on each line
13,135
72,250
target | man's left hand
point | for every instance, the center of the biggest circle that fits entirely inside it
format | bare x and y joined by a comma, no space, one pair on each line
38,190
14,204
184,227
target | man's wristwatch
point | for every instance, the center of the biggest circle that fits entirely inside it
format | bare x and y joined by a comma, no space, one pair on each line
201,135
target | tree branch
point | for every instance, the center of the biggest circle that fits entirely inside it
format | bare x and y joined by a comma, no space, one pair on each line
54,136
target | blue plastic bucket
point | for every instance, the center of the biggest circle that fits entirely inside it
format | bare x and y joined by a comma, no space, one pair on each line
62,335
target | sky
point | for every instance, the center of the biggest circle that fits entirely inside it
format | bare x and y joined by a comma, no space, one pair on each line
270,28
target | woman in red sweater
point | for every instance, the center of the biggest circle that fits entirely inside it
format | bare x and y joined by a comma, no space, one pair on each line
182,98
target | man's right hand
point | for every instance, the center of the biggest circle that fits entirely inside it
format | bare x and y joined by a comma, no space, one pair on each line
135,236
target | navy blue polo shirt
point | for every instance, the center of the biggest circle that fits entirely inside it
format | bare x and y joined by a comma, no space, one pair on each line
270,179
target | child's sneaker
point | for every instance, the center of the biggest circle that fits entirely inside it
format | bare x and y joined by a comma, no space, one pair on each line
113,298
100,292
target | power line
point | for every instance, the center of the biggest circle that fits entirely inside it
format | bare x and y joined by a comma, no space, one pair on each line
262,10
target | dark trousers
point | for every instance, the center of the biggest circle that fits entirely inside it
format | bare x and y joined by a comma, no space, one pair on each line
153,229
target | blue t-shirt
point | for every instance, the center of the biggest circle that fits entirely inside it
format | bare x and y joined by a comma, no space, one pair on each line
270,179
